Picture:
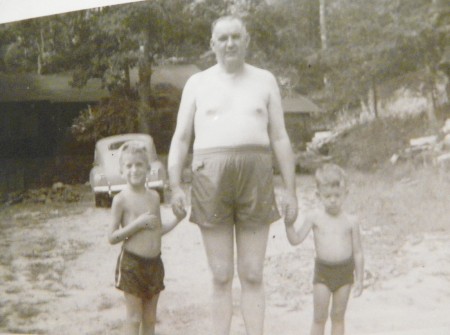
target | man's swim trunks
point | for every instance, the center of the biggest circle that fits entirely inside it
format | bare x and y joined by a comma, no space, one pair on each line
334,275
233,185
139,276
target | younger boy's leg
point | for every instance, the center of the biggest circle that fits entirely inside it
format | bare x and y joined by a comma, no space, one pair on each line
338,308
134,314
321,297
149,307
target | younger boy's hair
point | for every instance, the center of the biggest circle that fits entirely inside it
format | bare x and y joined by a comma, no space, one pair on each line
332,175
135,148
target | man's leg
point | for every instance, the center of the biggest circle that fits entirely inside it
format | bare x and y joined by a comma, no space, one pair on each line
321,297
338,308
149,315
134,314
219,245
251,250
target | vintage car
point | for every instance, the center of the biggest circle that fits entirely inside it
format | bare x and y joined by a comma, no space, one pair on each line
105,178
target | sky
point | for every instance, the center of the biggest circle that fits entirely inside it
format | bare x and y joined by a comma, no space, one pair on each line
16,10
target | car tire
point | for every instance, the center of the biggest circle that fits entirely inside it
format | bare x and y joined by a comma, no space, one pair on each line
102,200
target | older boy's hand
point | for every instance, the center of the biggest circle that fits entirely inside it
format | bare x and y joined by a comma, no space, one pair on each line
357,289
290,209
148,221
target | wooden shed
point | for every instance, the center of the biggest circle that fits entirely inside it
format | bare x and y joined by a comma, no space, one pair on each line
300,115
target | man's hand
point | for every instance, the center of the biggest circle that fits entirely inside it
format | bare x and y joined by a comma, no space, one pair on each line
290,209
357,289
178,201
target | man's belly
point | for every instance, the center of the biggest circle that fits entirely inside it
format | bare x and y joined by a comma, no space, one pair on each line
213,135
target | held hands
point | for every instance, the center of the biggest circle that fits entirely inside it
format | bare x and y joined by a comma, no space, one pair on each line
178,202
357,289
290,209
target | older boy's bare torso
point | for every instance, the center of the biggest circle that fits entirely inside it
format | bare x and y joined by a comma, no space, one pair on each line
146,242
231,110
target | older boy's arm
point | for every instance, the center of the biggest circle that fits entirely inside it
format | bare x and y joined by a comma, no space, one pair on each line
168,226
358,258
297,237
117,233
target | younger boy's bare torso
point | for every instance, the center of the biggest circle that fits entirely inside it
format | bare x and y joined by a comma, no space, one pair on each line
333,236
231,110
146,242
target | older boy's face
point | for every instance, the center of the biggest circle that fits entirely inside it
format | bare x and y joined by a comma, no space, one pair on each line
332,198
134,169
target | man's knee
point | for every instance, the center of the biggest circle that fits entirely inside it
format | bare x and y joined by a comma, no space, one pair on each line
251,274
222,274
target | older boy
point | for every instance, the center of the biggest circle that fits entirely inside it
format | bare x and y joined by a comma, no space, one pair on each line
136,221
338,250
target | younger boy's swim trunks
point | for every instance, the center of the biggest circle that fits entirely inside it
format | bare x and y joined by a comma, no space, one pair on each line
334,275
233,186
139,276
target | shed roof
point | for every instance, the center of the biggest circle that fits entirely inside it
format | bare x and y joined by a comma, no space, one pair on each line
55,87
32,87
300,104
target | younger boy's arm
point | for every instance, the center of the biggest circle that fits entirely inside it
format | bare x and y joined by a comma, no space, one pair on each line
297,237
358,258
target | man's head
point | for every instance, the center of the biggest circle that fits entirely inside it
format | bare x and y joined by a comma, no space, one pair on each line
229,41
331,183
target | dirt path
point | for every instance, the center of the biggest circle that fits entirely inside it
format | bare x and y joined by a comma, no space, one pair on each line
65,285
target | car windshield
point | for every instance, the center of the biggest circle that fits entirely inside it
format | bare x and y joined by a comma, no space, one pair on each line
116,145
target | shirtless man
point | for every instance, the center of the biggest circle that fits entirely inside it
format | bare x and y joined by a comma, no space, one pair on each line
235,111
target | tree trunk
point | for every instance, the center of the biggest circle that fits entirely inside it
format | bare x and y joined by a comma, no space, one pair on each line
431,110
375,98
323,35
144,86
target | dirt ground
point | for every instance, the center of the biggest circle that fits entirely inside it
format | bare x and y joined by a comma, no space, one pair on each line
57,268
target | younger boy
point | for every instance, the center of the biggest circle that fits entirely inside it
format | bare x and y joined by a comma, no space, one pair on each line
338,250
136,221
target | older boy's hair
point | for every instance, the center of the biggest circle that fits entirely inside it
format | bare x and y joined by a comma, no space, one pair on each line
330,174
135,148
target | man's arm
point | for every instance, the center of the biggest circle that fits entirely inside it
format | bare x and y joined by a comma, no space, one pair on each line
358,258
281,146
180,144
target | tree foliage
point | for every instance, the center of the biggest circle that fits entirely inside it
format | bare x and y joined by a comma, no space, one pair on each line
368,42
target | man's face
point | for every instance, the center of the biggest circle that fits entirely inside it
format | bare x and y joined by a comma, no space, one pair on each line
229,42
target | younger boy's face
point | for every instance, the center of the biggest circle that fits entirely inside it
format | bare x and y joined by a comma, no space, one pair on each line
332,198
134,169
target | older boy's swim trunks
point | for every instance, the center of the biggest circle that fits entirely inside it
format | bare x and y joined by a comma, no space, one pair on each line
334,275
233,186
139,276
